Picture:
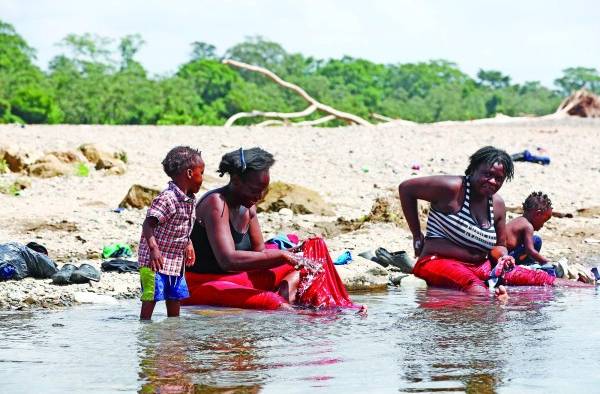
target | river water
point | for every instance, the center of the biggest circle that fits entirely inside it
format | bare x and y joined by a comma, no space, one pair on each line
414,340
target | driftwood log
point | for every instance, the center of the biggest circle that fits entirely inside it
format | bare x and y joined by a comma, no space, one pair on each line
581,103
306,123
315,122
314,105
272,122
382,117
281,115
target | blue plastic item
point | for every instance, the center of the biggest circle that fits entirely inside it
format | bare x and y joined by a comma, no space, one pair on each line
344,258
596,273
282,241
529,157
548,268
7,272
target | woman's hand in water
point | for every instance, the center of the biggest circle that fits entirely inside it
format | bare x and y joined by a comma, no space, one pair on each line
363,311
289,258
501,293
418,243
508,262
297,248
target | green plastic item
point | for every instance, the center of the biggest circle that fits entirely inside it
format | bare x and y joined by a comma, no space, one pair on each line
116,250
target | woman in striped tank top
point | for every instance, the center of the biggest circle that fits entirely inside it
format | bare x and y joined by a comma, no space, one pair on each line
465,233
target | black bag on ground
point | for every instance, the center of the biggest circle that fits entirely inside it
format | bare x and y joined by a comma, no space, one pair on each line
120,265
26,262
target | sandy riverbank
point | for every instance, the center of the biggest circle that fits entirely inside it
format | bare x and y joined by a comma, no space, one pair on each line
350,167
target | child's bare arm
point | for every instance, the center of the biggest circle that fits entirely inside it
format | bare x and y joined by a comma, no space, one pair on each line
189,255
156,259
528,243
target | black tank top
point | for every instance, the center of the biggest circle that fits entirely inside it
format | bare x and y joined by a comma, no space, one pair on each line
206,262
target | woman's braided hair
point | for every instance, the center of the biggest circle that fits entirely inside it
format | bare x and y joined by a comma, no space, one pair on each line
490,156
240,161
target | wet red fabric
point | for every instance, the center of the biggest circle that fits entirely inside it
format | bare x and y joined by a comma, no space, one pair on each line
455,274
256,289
520,276
327,289
249,290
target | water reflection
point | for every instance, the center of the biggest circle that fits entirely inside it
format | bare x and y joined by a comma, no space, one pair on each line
414,340
176,358
462,341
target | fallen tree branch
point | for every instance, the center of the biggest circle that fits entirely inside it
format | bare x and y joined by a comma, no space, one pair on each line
301,92
275,122
382,117
315,122
282,115
272,122
396,121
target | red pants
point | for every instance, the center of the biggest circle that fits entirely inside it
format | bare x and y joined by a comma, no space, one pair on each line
250,290
454,274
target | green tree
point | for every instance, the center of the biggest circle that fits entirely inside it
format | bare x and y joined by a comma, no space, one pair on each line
26,95
35,104
417,79
258,51
82,80
210,79
575,78
180,102
98,80
88,48
203,51
493,79
128,47
360,77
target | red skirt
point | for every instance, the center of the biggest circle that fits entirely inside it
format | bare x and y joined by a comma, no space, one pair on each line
454,274
257,289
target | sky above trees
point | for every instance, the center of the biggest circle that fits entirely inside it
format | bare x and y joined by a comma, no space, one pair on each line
528,40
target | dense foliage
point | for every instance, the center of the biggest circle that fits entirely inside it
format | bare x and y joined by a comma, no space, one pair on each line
97,81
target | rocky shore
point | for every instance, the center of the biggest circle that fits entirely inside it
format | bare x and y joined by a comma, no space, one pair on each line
355,170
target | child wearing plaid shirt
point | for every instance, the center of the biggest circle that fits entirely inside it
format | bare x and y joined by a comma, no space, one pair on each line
165,244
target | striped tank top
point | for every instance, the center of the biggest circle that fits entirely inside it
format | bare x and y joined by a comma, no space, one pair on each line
461,227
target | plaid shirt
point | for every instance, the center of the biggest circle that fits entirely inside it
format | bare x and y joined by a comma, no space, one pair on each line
176,214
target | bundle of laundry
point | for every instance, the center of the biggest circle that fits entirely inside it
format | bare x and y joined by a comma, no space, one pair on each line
18,261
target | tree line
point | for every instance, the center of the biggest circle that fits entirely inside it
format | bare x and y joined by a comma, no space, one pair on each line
95,80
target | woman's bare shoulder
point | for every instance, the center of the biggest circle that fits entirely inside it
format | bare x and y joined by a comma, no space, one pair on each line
498,201
211,202
448,184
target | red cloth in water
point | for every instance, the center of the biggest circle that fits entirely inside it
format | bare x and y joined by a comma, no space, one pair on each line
249,290
455,274
327,289
256,289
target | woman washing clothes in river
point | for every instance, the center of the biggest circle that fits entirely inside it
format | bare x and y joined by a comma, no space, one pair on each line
232,266
465,235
